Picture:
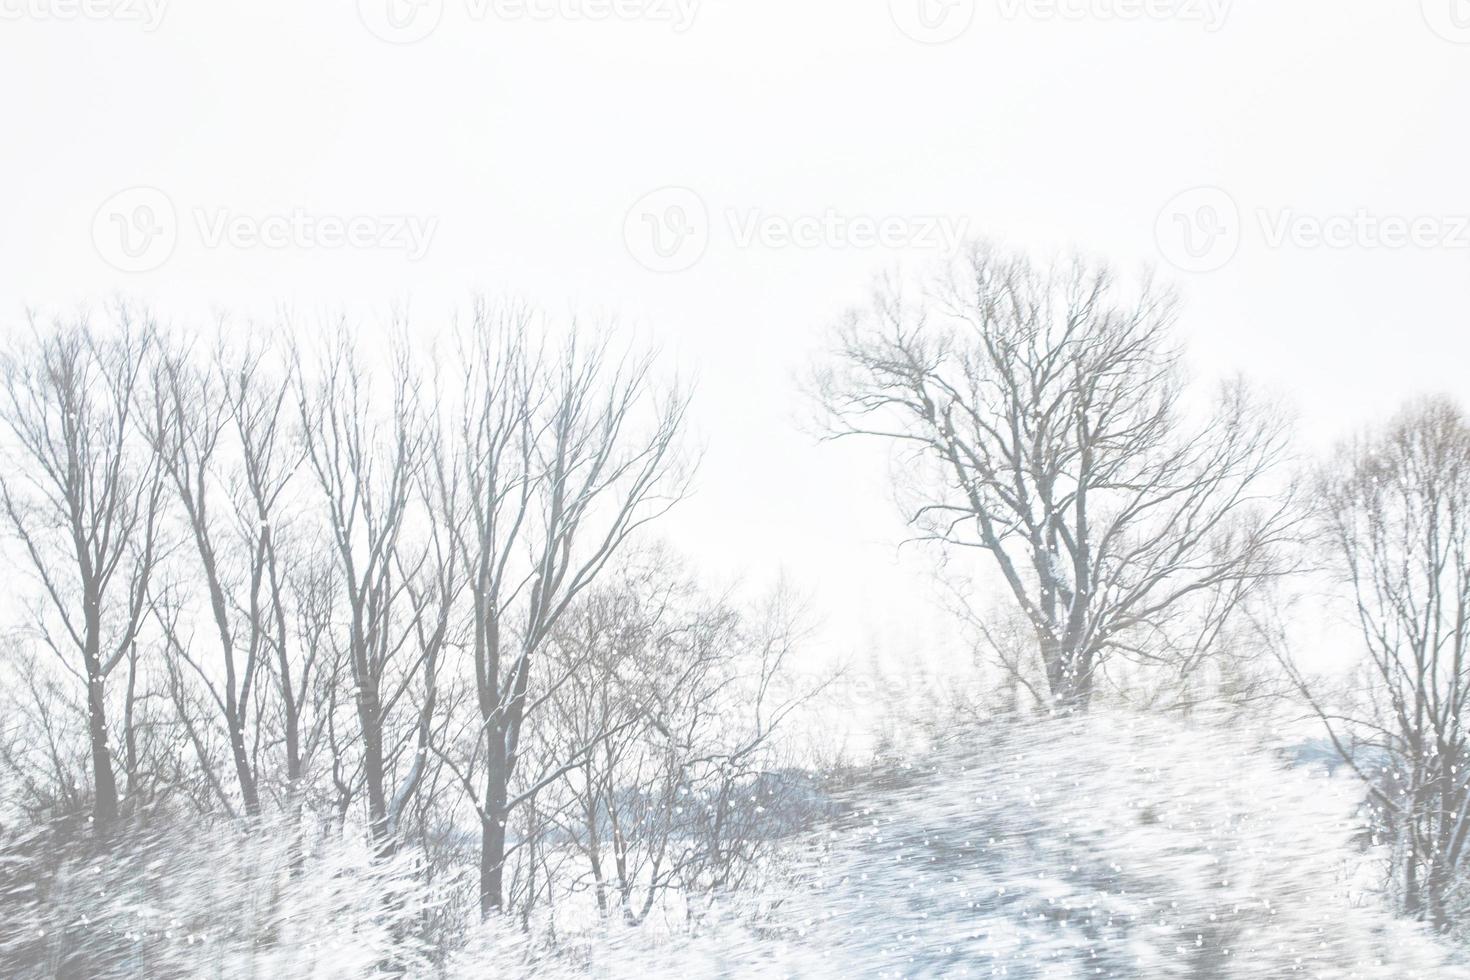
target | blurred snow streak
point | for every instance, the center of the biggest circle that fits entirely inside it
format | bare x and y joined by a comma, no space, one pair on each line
1108,846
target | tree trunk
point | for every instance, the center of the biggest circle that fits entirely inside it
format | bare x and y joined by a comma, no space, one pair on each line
248,792
372,762
1412,902
1069,675
103,781
492,835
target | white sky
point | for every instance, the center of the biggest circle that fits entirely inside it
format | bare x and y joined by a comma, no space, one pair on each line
528,140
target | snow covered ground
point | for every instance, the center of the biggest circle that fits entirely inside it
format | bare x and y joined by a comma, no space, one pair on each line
1111,846
1102,847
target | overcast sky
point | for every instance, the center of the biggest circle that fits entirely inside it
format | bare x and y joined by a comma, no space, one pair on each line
727,176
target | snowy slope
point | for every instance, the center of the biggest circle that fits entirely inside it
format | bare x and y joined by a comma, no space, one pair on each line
1105,847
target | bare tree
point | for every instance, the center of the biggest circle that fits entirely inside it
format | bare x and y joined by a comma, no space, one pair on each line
257,400
43,737
740,796
83,496
683,697
368,459
565,457
1396,509
221,428
185,419
1048,430
639,654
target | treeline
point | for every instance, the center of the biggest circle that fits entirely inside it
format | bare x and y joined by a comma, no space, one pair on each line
398,589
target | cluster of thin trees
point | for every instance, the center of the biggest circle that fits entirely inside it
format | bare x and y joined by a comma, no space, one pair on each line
350,580
1141,538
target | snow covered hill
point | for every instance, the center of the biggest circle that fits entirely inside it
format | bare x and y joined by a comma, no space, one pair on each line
1101,847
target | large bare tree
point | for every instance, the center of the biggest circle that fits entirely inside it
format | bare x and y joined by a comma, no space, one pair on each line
1048,429
83,495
